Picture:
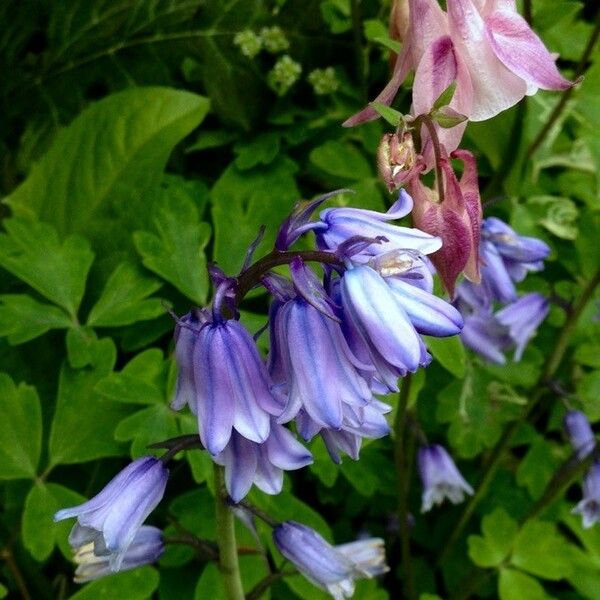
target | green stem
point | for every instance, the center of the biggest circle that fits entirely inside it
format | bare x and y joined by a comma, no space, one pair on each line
550,368
562,103
359,54
403,463
228,554
437,153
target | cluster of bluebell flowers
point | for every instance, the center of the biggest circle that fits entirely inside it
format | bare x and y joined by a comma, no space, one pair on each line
583,441
496,319
335,341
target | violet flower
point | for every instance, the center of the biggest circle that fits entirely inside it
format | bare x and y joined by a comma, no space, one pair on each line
112,519
580,433
441,478
589,506
147,547
224,380
248,463
332,568
484,335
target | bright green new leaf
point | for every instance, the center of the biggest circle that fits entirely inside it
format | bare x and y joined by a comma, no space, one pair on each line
138,584
541,551
342,160
81,412
176,251
3,591
492,548
40,532
446,96
22,318
32,252
392,116
143,380
514,585
106,160
20,429
124,299
450,352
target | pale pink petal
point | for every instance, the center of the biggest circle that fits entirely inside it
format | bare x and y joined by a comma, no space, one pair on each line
428,22
495,88
522,51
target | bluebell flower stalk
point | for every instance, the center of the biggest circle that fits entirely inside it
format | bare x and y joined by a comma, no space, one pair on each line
580,433
441,478
332,568
112,519
146,548
589,506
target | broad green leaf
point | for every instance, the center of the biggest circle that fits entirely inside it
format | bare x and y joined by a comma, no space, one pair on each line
588,389
210,584
499,531
22,318
82,418
80,344
450,352
143,380
243,201
262,150
20,429
147,426
176,251
539,465
373,473
514,585
40,532
103,164
138,584
541,551
32,252
124,299
342,160
208,139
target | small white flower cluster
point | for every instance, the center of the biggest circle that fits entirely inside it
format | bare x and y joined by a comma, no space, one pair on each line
272,39
323,81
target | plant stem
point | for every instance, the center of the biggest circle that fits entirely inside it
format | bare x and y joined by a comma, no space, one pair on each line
7,556
437,152
550,368
402,462
558,109
228,554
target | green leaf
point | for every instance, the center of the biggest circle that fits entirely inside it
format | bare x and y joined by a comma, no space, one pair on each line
208,139
142,381
368,475
176,251
392,116
22,318
103,164
210,584
446,96
80,344
124,299
32,252
20,429
262,150
541,551
514,585
138,584
82,417
539,465
491,549
588,389
40,532
243,201
3,591
450,353
147,426
341,159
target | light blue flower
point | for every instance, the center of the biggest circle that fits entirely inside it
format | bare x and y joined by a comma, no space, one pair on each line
589,507
580,433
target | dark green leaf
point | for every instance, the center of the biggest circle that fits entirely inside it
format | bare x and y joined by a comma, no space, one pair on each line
342,160
138,584
262,150
450,352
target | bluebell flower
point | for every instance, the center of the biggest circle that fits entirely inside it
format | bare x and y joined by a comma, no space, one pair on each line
441,478
483,334
321,372
224,380
340,224
332,568
147,547
111,519
589,507
248,463
580,433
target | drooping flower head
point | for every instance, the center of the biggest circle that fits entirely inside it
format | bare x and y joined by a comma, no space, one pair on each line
580,433
441,478
332,568
112,519
146,548
589,506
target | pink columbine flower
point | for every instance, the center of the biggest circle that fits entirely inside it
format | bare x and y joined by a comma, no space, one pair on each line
484,45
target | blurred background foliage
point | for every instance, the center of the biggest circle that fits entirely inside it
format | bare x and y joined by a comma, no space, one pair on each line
141,140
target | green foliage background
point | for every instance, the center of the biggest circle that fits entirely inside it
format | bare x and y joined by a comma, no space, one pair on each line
139,144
